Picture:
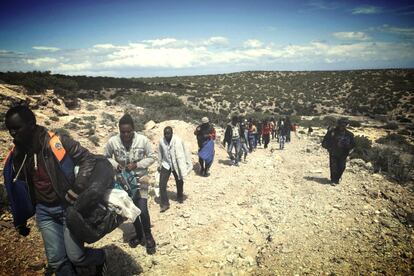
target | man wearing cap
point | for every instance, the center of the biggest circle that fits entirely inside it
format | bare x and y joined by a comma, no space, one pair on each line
206,134
339,142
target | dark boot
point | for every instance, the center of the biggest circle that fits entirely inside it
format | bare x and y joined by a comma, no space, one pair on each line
150,244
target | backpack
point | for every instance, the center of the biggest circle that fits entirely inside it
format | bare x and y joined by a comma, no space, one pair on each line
89,219
328,140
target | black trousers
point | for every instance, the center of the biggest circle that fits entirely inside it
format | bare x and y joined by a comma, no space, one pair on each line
266,140
203,164
164,176
142,224
337,166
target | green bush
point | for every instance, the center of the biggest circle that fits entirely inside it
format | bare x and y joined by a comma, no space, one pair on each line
89,118
158,102
61,131
391,126
176,113
94,139
71,125
362,148
329,121
398,141
91,107
385,159
353,123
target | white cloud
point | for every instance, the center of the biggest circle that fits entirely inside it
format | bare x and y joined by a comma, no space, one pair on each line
161,42
104,46
351,36
252,43
46,48
141,55
404,32
40,62
216,40
170,54
64,67
323,5
367,10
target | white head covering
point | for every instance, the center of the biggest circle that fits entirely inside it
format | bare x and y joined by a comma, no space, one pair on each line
204,120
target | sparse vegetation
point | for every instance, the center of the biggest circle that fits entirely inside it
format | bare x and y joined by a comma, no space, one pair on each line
391,126
398,141
363,147
389,161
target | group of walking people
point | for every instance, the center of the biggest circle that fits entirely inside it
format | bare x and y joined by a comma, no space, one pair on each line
242,136
50,175
53,177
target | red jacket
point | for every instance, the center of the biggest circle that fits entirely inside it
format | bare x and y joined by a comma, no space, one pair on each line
266,129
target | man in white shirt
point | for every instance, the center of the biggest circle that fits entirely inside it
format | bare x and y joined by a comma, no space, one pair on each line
173,157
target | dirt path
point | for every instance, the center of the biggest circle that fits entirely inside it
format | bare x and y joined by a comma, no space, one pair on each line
276,214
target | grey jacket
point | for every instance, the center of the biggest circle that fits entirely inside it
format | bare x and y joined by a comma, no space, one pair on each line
140,153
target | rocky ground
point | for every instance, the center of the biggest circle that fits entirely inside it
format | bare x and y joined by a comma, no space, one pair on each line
274,214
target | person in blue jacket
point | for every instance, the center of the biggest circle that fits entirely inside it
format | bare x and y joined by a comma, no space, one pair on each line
39,179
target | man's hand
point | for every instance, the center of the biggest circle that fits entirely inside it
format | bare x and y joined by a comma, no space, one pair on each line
23,230
131,166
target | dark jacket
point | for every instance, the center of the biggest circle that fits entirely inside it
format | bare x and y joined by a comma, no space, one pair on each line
338,143
204,133
61,172
228,134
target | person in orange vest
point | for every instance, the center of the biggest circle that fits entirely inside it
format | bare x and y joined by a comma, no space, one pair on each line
39,175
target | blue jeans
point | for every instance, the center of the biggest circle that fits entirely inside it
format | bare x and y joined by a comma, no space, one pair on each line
282,140
235,143
62,249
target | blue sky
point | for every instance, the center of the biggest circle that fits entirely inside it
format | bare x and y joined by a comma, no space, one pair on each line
167,38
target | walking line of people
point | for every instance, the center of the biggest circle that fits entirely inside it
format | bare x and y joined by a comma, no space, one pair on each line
53,177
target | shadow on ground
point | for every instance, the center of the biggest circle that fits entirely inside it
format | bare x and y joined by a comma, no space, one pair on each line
320,180
120,263
227,162
172,195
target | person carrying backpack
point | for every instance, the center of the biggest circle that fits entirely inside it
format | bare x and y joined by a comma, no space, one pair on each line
339,142
232,139
39,177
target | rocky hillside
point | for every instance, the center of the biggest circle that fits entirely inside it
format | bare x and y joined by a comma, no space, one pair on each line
275,214
386,92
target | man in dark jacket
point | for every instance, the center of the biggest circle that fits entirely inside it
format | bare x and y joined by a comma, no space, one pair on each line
206,134
44,164
339,142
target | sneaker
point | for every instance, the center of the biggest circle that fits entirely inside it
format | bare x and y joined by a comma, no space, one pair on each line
164,208
334,182
135,242
150,245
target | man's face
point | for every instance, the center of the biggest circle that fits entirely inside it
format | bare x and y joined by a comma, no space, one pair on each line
21,131
126,132
168,134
